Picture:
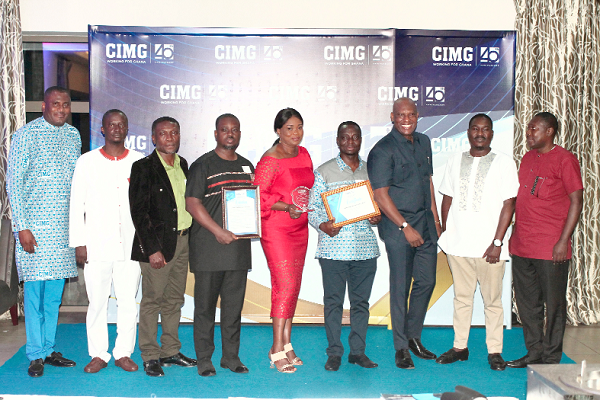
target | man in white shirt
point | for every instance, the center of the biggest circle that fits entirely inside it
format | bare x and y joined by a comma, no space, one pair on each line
102,232
479,188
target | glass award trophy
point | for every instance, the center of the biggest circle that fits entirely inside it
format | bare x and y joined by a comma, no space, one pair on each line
300,198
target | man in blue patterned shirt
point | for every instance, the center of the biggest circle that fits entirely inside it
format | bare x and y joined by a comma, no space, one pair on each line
347,254
40,167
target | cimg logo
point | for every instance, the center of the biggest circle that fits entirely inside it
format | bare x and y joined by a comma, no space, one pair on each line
233,52
452,54
381,53
435,94
271,53
344,53
489,55
164,52
124,51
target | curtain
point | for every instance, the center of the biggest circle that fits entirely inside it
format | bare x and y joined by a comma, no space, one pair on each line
12,87
558,70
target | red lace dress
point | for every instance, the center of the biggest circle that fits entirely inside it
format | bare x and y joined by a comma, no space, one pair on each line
284,240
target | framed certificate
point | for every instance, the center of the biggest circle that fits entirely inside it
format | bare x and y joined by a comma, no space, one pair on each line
241,211
350,203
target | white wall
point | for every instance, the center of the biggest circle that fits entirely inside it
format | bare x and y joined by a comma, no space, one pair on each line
75,15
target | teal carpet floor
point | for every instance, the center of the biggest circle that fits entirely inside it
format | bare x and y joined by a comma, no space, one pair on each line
310,381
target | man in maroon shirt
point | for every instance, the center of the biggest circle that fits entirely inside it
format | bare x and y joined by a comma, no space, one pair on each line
548,206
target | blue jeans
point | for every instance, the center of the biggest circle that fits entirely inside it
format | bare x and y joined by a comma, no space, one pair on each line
42,301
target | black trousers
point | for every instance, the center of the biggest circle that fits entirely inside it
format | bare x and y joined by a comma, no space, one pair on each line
359,276
539,282
408,307
231,286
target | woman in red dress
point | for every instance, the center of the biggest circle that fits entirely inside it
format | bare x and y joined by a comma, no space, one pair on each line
283,168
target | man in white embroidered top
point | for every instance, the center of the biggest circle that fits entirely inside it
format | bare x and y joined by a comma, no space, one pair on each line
102,233
479,188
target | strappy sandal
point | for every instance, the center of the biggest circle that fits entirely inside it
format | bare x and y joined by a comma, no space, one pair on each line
287,368
296,361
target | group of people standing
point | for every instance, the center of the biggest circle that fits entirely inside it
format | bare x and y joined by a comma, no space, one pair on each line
126,217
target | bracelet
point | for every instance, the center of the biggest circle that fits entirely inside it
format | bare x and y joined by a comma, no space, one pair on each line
287,208
437,222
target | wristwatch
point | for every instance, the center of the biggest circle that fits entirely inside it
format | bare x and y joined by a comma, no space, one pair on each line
497,242
404,225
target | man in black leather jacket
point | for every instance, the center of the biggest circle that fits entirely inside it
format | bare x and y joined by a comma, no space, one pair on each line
157,201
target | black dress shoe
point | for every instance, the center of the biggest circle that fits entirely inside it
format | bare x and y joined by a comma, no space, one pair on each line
522,362
333,363
57,360
452,356
496,362
236,366
403,359
153,368
207,372
177,359
361,360
36,368
419,350
206,368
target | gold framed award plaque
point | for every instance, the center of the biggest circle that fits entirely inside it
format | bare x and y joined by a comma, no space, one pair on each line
351,203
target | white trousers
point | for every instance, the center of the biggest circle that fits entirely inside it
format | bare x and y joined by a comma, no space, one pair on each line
125,276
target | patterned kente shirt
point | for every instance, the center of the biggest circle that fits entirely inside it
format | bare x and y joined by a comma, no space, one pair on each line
40,168
354,241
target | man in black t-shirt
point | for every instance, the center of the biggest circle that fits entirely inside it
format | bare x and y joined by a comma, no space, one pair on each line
219,261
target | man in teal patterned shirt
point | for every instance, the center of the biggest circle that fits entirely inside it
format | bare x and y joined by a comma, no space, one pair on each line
40,167
347,254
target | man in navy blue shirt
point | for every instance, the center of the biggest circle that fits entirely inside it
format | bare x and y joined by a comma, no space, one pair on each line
400,170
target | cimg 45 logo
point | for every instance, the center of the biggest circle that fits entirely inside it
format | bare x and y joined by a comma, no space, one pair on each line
489,55
435,94
164,52
382,53
272,53
325,93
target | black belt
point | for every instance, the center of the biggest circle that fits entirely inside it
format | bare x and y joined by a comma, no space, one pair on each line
183,232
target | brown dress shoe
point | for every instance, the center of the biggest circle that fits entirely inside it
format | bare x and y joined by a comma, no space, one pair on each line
95,365
127,364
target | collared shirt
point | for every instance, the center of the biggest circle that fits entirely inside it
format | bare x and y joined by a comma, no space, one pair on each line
354,241
405,167
546,181
178,181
